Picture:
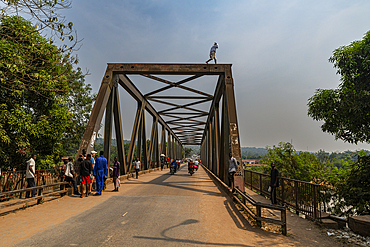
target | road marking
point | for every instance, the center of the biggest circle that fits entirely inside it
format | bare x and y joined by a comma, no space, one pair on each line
124,214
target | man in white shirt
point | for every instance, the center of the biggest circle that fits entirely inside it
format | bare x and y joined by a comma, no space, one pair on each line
197,164
212,53
233,166
70,174
30,175
137,167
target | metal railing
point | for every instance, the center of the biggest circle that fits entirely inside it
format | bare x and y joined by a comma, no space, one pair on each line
253,208
16,180
303,197
41,192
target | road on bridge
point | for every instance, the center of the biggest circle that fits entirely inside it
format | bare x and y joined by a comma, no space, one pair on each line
158,209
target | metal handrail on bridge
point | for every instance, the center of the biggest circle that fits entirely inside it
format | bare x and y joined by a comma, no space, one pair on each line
16,180
258,215
303,197
258,205
40,193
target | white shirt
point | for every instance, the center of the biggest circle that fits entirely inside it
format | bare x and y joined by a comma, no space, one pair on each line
213,48
233,164
30,166
137,164
69,168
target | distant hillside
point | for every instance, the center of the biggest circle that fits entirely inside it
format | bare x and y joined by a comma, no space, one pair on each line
253,152
113,141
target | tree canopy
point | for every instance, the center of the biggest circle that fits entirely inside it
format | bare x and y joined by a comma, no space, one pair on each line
44,100
303,166
346,110
46,16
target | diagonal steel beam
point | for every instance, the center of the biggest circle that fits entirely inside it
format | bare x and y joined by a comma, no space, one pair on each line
178,97
126,83
172,84
176,105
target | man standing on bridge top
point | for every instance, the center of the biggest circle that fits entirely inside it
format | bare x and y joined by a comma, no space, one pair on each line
212,53
274,182
100,172
233,166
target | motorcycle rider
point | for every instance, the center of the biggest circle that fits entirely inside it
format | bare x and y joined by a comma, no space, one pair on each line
174,165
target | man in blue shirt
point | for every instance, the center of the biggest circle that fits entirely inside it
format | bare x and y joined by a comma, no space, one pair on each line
100,171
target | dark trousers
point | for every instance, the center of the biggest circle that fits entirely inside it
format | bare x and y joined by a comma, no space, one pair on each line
74,184
137,173
30,184
231,179
273,195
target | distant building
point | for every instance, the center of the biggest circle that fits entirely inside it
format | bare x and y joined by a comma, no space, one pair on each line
251,161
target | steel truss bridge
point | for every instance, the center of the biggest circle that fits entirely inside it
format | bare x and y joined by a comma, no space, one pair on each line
217,135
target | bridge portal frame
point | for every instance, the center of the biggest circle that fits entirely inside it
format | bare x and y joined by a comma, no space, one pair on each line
217,139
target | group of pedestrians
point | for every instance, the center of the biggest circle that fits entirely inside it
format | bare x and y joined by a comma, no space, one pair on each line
89,169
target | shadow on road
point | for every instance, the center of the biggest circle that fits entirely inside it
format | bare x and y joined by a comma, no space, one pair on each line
188,241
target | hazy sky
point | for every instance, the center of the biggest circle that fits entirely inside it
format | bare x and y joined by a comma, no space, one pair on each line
279,51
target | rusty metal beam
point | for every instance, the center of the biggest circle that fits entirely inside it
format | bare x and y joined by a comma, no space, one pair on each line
126,83
119,131
172,84
169,69
93,125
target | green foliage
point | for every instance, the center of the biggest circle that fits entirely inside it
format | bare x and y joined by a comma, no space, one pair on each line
346,110
349,187
48,18
303,166
253,152
43,99
186,152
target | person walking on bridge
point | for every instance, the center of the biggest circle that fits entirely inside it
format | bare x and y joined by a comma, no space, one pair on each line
274,182
137,167
30,175
85,171
233,166
100,172
116,174
212,53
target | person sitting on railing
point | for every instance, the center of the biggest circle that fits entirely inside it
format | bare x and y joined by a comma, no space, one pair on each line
30,175
70,174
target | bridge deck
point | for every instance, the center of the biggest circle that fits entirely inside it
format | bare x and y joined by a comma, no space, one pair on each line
155,210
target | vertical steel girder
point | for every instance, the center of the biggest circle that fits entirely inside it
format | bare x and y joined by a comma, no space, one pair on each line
108,127
119,131
217,140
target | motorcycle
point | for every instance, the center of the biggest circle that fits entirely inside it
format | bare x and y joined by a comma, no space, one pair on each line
172,170
191,170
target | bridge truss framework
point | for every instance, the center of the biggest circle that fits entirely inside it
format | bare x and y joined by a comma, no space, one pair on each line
216,137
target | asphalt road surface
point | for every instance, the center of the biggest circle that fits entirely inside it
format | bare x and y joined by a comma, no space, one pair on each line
164,211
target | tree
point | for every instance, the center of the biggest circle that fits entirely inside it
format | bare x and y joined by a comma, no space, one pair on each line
303,166
41,94
186,151
350,187
346,110
45,14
